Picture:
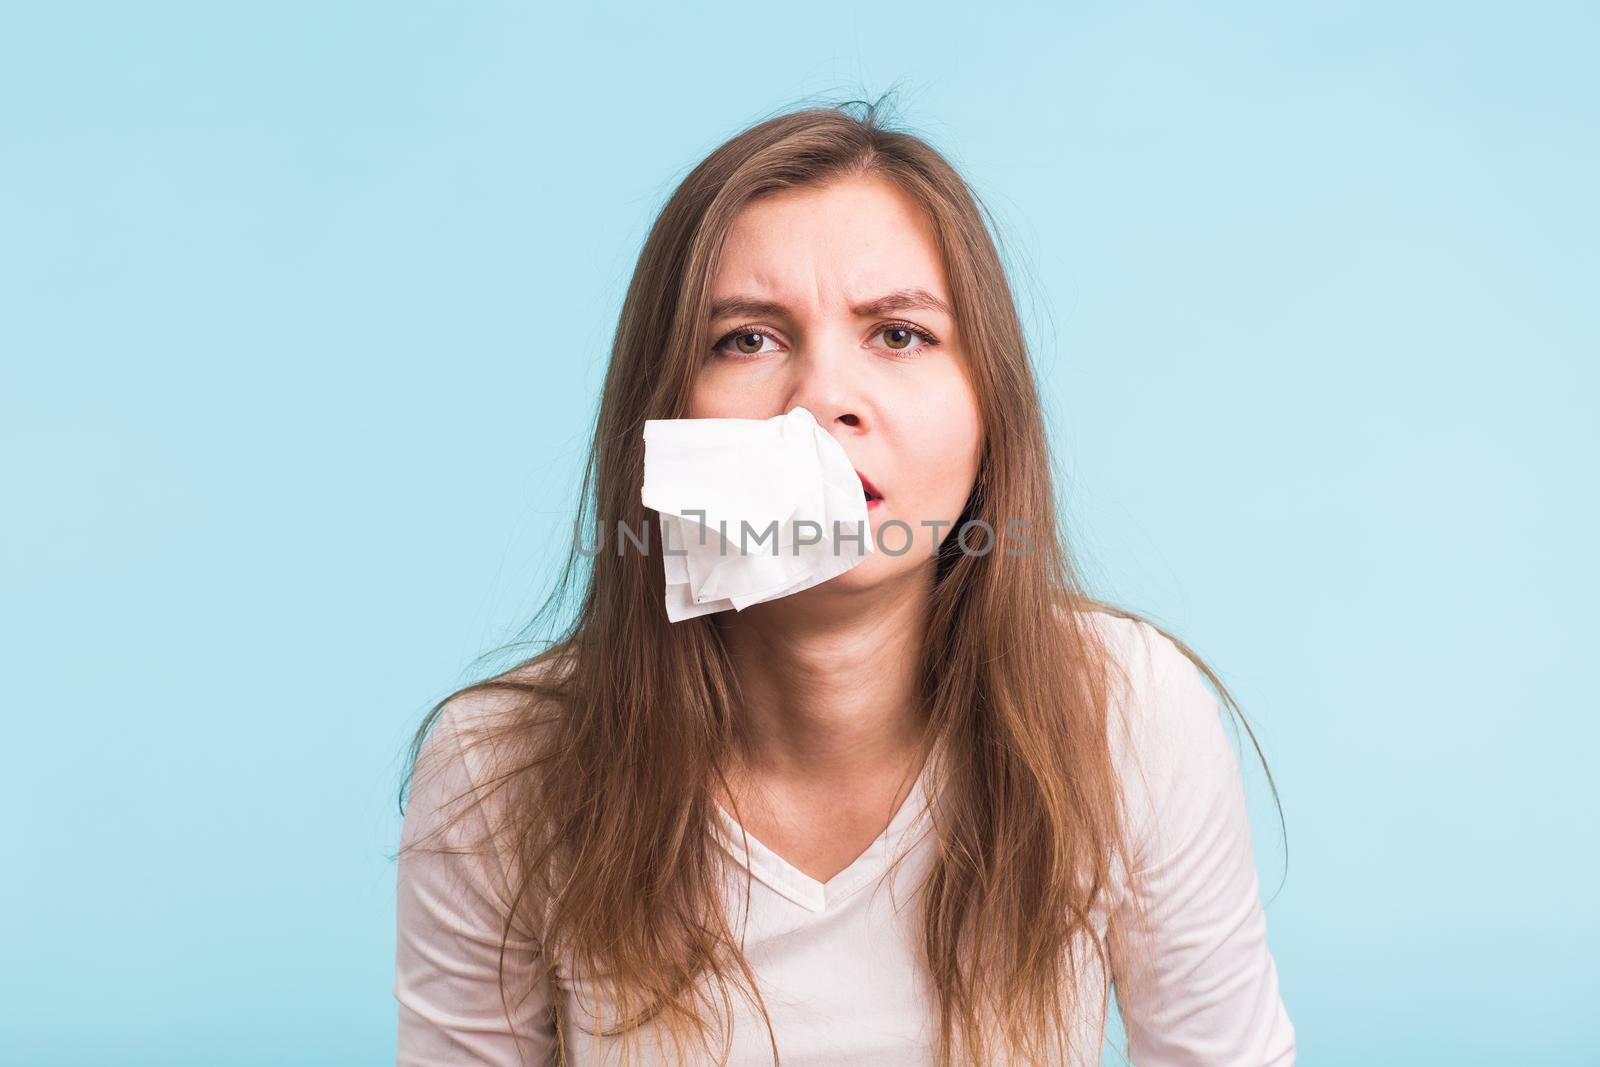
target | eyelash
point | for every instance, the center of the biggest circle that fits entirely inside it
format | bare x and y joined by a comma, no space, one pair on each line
928,339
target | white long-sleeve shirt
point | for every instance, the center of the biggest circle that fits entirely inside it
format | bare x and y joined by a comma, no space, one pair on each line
838,961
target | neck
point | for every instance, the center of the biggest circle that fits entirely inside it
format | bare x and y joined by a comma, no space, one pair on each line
829,681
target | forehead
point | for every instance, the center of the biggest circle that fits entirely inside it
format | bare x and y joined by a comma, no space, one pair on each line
854,238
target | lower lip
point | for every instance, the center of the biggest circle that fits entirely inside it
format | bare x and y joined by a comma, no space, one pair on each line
874,502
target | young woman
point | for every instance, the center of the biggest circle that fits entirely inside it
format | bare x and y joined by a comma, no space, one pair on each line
930,811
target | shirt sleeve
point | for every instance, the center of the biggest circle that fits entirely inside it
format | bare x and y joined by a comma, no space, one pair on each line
451,911
1195,981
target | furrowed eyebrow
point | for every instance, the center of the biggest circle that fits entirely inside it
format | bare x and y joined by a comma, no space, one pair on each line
903,300
745,307
899,300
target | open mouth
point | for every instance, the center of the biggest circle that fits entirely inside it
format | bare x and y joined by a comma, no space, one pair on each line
869,491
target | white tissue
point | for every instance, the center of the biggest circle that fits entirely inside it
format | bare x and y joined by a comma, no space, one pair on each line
786,469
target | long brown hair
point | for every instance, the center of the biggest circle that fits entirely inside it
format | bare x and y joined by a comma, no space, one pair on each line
622,723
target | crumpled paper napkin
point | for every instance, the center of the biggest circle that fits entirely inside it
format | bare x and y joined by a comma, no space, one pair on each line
704,477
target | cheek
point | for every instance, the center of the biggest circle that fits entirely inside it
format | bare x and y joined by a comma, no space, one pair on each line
720,392
706,399
944,439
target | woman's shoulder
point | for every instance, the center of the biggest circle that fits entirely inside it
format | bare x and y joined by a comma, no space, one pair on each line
458,785
479,721
1131,639
1164,727
1154,685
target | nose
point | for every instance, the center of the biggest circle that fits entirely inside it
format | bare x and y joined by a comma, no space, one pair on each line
827,387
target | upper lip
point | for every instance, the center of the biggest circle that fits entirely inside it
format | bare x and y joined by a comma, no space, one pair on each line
866,483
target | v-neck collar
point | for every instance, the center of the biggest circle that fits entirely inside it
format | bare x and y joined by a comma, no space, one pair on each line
910,822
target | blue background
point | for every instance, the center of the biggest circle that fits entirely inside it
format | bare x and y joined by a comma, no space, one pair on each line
304,310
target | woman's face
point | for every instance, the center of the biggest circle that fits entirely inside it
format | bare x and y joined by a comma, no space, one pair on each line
834,299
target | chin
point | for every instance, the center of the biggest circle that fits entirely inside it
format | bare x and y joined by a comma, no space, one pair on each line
861,576
864,575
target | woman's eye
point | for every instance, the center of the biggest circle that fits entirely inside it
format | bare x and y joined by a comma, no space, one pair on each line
743,343
899,337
